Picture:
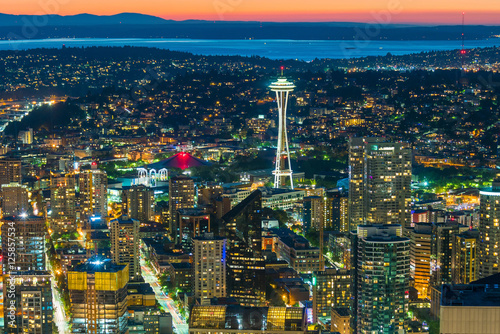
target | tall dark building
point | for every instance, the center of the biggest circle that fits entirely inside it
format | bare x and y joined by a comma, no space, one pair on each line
245,263
333,209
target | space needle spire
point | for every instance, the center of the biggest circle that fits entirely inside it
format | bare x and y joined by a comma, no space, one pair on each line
283,168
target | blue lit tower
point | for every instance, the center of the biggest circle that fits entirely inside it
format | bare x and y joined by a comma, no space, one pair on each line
282,87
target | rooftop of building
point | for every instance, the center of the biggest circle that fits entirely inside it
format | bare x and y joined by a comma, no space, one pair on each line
192,212
125,220
181,266
248,318
140,288
292,239
99,264
473,294
343,312
208,236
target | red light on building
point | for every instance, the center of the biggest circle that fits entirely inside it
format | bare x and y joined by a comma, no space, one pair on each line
463,52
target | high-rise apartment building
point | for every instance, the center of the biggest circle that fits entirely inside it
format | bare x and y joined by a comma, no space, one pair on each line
10,171
379,182
14,199
209,267
181,193
331,289
465,261
27,234
242,226
313,213
62,201
93,184
125,244
443,237
31,294
381,270
489,231
140,203
420,257
98,294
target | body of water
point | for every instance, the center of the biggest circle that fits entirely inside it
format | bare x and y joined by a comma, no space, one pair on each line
274,49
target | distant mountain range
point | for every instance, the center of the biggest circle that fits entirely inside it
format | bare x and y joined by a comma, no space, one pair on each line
132,25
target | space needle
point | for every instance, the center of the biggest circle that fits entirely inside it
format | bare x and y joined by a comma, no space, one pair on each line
282,87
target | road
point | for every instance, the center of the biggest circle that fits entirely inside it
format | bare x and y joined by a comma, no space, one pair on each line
59,313
164,300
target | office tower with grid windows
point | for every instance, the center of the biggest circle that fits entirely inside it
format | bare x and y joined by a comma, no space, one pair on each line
98,295
14,199
379,182
31,293
28,238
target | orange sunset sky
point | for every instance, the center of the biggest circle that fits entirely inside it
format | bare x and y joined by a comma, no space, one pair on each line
382,11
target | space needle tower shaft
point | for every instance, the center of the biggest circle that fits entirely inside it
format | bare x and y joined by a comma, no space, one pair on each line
283,168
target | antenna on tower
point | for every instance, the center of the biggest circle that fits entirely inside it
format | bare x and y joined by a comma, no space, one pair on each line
282,69
463,25
462,51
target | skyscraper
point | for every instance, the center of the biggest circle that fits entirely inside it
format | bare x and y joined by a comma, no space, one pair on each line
28,236
209,267
331,289
181,193
443,237
32,301
420,257
379,182
62,201
381,268
282,87
140,203
314,216
10,171
489,231
245,263
14,199
98,294
464,261
93,192
125,244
